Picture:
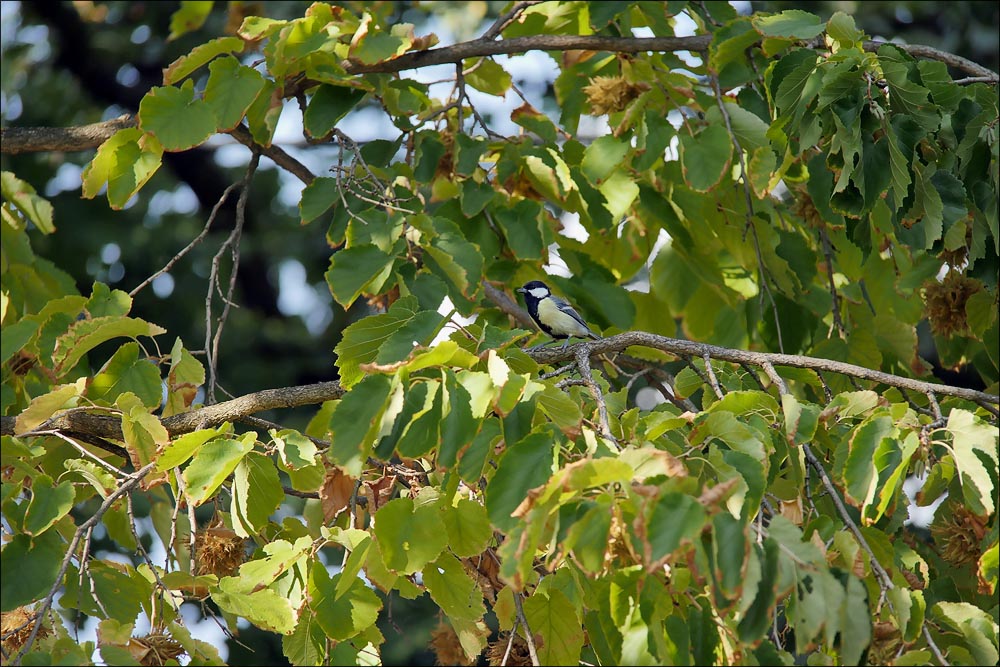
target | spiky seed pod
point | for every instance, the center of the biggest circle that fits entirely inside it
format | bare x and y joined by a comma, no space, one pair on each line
608,94
944,303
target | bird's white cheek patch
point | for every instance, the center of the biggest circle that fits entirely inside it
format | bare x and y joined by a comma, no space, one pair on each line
539,292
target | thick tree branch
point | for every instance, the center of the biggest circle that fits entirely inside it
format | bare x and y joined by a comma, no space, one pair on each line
950,59
110,428
488,47
553,355
16,140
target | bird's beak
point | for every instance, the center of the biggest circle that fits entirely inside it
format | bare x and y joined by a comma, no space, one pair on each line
521,290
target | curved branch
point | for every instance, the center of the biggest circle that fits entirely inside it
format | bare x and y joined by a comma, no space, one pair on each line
950,59
488,47
17,140
760,359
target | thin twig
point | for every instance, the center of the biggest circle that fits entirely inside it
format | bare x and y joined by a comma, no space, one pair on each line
827,392
583,364
714,381
751,373
828,254
885,581
190,246
505,20
527,630
233,244
775,378
83,529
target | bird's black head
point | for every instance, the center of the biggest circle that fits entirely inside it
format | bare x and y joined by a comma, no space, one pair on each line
535,288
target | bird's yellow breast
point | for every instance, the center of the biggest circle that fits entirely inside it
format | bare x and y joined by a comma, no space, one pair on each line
561,324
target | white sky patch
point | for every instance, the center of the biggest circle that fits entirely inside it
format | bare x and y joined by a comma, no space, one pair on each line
297,297
920,516
556,265
446,308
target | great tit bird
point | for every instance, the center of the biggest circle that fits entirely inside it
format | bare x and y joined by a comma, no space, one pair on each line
553,315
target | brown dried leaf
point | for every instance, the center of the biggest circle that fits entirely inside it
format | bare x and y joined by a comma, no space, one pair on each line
336,492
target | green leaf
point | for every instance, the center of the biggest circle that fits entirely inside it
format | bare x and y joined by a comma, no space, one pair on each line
103,302
329,104
257,494
354,269
587,538
859,469
976,627
733,431
200,55
563,411
182,448
29,567
125,372
452,589
989,567
705,157
748,127
535,121
454,258
189,17
357,420
791,23
124,162
554,617
423,431
521,228
85,335
346,615
525,465
49,503
377,46
44,406
178,120
15,337
603,156
757,618
186,374
317,198
20,195
487,76
387,338
889,488
973,444
264,608
730,43
212,464
263,114
731,552
409,536
790,79
675,517
468,528
307,645
841,27
474,196
459,426
230,91
144,434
